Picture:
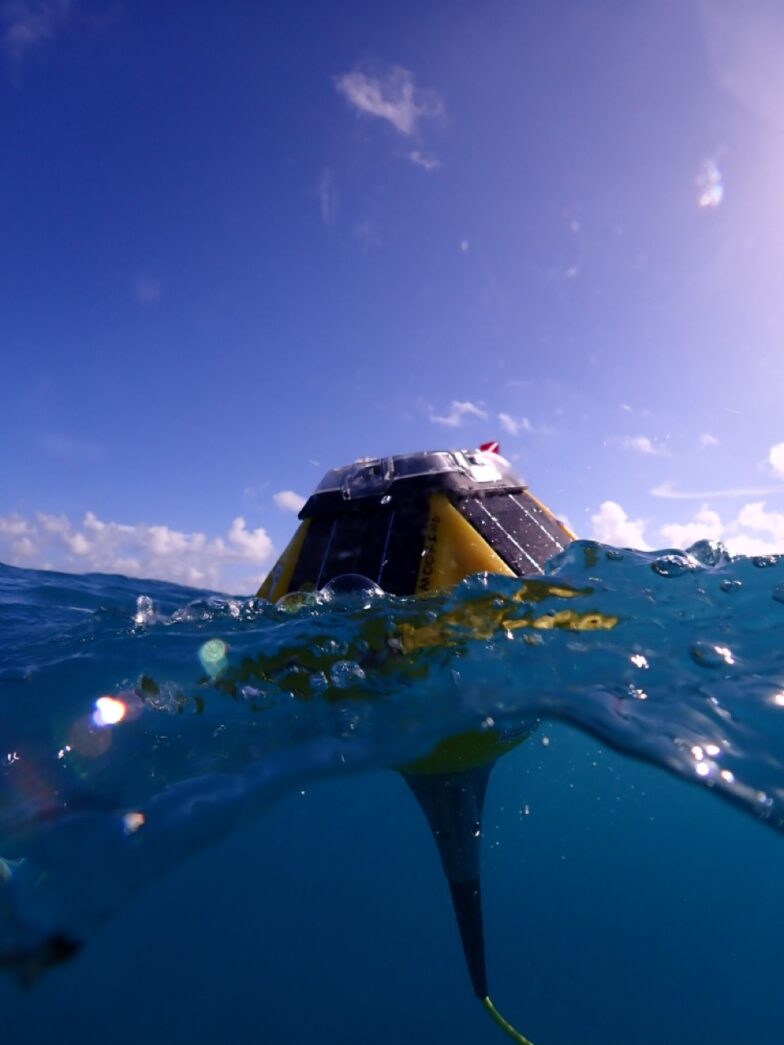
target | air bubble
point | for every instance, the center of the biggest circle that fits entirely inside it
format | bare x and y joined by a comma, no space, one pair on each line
729,585
778,593
708,655
346,673
673,565
636,693
349,583
764,561
294,601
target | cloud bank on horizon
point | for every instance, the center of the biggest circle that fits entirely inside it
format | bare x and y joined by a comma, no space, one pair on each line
53,542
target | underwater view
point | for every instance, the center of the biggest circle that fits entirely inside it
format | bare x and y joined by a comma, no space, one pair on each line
204,836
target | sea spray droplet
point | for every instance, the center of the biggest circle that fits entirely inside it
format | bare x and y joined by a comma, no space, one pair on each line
708,655
145,610
709,553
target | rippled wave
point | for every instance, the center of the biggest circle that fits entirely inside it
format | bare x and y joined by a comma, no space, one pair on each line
140,722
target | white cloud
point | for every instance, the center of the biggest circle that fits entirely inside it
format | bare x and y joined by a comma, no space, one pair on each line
137,550
611,525
767,531
457,412
394,97
706,439
710,185
776,459
706,525
643,445
668,491
30,23
288,500
753,531
421,159
514,425
12,525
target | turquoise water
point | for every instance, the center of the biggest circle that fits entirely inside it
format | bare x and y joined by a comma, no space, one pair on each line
303,898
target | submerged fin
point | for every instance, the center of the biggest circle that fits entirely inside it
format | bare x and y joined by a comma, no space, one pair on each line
452,803
467,902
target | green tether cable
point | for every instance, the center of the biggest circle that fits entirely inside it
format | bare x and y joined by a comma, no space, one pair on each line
505,1024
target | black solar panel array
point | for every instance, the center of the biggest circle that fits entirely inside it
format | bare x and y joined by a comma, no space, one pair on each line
517,529
382,543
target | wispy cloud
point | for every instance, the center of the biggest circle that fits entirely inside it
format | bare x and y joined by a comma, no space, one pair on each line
710,185
368,234
393,97
48,541
289,501
515,425
706,439
423,160
668,491
642,444
328,197
28,24
64,447
457,414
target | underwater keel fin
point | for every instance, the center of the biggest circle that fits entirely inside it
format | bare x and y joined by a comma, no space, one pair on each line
467,902
452,804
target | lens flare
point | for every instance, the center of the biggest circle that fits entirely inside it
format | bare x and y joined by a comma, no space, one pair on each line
108,711
213,656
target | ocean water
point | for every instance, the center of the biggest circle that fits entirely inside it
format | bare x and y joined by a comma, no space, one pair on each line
203,837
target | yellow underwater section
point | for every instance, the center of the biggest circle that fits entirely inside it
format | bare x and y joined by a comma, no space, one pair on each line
453,550
482,619
278,579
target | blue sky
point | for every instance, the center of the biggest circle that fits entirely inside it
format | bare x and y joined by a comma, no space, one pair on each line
242,243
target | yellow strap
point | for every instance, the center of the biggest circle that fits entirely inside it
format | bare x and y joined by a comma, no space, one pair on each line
504,1024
